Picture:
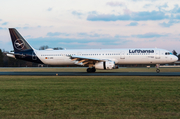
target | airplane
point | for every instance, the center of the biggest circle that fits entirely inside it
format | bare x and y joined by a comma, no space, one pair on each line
105,59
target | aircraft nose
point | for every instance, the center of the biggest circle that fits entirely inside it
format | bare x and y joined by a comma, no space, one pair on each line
175,58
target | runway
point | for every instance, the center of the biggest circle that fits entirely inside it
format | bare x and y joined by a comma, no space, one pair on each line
89,74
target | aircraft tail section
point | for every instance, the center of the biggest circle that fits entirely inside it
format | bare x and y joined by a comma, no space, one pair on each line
22,49
18,42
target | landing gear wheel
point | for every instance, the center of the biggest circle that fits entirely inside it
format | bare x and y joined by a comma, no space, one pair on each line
90,70
157,70
93,70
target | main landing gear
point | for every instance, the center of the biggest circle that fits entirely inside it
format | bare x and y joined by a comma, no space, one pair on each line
157,68
91,70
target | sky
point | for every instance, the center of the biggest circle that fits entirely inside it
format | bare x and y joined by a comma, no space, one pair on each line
92,24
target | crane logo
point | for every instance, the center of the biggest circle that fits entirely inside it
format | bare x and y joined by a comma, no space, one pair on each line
19,44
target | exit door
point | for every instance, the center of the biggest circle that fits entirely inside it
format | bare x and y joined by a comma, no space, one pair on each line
79,53
122,55
157,55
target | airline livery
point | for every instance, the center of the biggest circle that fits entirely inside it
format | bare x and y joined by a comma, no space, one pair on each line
105,59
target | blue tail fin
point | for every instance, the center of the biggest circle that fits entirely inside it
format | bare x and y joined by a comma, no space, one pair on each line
19,43
22,50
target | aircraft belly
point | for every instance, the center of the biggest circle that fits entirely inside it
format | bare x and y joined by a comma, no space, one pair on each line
57,60
63,61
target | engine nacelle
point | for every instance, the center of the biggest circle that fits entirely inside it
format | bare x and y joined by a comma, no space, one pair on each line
105,65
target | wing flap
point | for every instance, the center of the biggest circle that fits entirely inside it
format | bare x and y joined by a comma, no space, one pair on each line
80,60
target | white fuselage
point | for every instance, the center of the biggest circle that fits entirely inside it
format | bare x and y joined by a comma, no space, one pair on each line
119,56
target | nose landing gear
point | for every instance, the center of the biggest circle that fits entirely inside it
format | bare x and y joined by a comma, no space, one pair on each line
157,68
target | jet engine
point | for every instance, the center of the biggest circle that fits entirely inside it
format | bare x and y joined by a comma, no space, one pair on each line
105,65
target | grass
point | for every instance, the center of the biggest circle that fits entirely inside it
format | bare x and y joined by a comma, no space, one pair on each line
69,69
89,97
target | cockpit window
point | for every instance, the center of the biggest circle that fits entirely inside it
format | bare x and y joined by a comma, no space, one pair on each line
168,53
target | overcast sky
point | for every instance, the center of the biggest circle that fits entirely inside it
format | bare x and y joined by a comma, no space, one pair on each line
74,24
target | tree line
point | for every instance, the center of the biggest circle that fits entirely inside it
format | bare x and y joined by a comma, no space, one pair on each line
6,61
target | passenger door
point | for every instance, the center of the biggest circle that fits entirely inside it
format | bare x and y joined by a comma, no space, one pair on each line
157,54
122,55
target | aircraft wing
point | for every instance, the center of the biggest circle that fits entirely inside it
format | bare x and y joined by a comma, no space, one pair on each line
80,60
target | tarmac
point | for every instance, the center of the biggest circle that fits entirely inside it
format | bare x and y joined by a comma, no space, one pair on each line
89,74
